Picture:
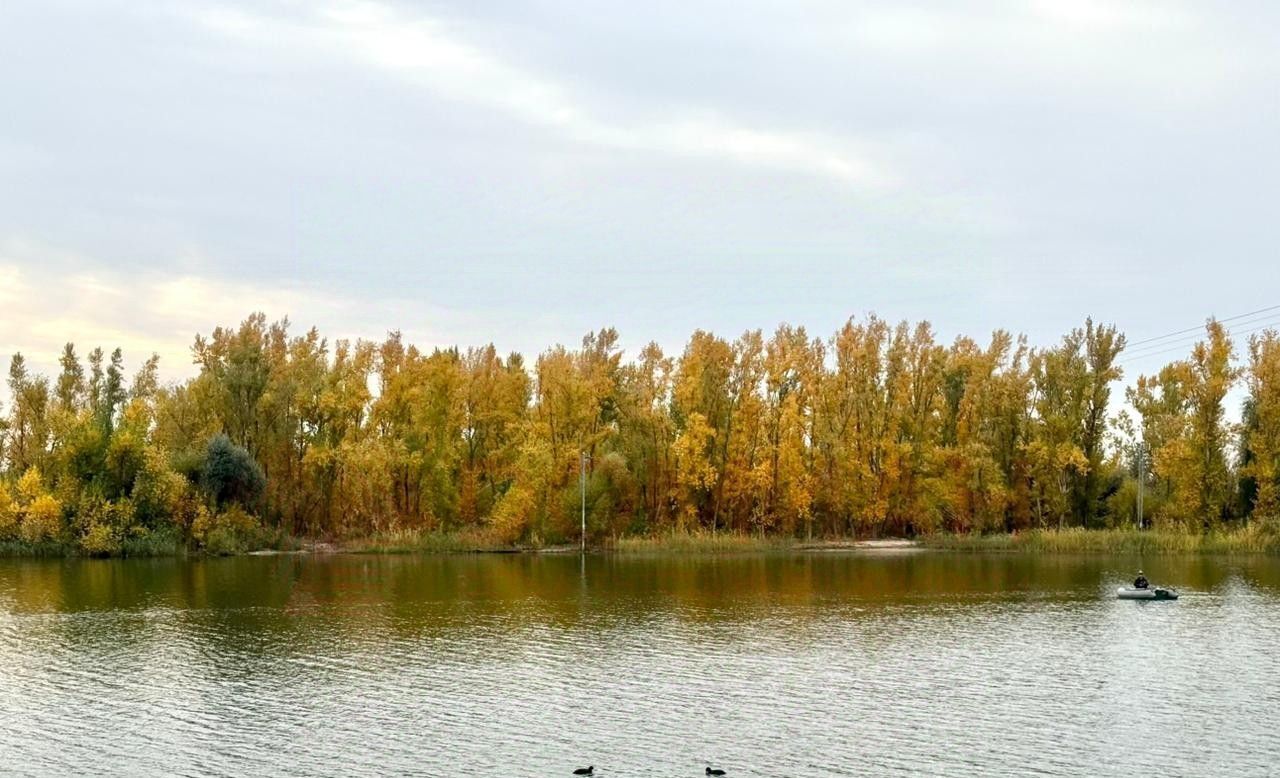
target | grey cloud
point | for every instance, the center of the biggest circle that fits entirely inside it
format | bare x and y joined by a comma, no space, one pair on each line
1030,167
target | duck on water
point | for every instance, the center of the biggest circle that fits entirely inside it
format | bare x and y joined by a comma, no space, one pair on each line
1142,590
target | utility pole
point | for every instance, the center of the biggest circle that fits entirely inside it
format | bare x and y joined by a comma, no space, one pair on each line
1141,478
582,484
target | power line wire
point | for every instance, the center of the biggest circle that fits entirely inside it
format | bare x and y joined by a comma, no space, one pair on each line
1197,328
1161,347
1127,358
1254,326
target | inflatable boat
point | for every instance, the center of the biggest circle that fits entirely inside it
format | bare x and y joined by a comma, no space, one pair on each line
1153,593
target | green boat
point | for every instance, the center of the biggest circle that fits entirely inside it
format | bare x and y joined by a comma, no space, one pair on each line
1153,593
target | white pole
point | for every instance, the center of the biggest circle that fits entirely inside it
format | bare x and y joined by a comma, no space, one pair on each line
582,482
1141,479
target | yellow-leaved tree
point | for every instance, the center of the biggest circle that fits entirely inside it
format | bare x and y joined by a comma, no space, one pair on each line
1262,433
695,472
8,514
39,512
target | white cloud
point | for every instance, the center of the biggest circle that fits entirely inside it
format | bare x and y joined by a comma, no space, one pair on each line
51,297
45,307
425,52
697,165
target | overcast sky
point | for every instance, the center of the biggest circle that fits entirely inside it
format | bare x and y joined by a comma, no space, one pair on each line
525,172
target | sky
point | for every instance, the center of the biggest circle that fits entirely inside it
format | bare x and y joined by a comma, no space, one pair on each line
523,173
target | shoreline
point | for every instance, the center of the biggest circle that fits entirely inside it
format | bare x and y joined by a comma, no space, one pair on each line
1256,539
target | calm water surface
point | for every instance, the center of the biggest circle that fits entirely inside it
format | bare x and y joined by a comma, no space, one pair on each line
772,665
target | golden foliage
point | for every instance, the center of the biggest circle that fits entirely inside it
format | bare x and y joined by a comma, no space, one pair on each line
41,519
8,514
879,429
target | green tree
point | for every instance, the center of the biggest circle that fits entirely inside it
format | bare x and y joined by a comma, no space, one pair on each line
28,427
71,385
230,475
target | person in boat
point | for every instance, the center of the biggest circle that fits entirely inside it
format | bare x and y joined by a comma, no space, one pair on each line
1141,581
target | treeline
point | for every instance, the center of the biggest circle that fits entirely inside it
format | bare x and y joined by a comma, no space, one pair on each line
877,430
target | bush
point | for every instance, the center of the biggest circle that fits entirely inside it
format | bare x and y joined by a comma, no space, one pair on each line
103,524
189,464
126,456
510,516
230,474
157,492
8,515
165,541
41,520
100,539
188,511
232,531
30,486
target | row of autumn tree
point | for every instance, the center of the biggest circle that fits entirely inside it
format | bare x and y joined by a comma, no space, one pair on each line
878,429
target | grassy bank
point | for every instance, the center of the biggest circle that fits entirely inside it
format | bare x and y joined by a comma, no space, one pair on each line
158,543
472,541
437,542
428,542
700,543
1255,539
1258,538
161,544
142,547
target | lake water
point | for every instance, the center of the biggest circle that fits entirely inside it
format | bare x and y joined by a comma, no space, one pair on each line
770,665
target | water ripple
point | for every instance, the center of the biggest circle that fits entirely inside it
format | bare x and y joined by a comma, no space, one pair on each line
513,667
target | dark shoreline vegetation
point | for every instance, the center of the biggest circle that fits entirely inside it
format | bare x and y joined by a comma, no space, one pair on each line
1256,539
788,442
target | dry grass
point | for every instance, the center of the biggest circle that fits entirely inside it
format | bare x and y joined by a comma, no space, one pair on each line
411,541
701,543
1257,538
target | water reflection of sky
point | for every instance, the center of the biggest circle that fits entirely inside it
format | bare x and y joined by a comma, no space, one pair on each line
771,665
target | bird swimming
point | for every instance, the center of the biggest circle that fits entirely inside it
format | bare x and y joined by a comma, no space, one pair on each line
711,771
585,770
